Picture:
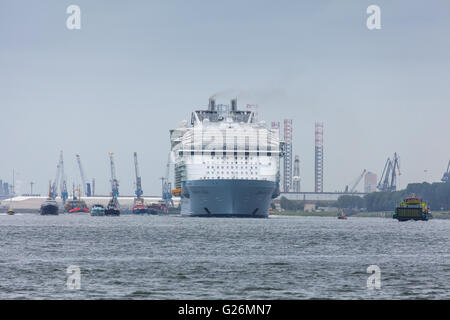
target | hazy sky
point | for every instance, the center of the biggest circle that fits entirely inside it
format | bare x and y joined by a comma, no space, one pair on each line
137,68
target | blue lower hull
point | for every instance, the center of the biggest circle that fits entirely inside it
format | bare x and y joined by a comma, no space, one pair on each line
227,198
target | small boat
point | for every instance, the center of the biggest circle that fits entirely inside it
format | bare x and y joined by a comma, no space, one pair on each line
341,215
97,210
11,212
412,208
140,208
113,208
49,207
158,208
76,205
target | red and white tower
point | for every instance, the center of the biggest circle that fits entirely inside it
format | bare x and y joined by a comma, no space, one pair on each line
318,177
287,169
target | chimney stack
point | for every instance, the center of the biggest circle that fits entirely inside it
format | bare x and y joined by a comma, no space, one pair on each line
212,104
234,104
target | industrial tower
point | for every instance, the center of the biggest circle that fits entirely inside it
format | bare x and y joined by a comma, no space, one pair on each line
296,177
287,168
318,158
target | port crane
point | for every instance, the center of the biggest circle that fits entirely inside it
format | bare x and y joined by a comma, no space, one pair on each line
358,180
383,184
395,169
63,186
54,185
74,195
138,191
388,180
446,176
167,186
85,186
114,181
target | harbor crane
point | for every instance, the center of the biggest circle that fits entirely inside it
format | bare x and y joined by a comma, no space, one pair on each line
54,185
358,180
138,191
395,170
63,186
446,176
167,186
383,184
114,181
85,186
388,180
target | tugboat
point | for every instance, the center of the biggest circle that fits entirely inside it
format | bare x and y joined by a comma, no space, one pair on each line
113,207
76,205
49,206
97,210
140,208
412,208
158,208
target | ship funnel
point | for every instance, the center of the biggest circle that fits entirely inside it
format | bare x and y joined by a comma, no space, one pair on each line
212,104
234,104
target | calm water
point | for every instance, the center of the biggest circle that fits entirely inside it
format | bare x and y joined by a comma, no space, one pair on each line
170,257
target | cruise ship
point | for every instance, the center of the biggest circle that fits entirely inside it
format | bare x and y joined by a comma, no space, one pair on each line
226,163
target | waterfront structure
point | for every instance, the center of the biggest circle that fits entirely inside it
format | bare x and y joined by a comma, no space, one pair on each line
370,182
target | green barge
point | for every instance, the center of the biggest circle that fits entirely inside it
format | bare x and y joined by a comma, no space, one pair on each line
412,208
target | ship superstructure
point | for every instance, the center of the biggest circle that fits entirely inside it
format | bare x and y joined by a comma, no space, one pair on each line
225,162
